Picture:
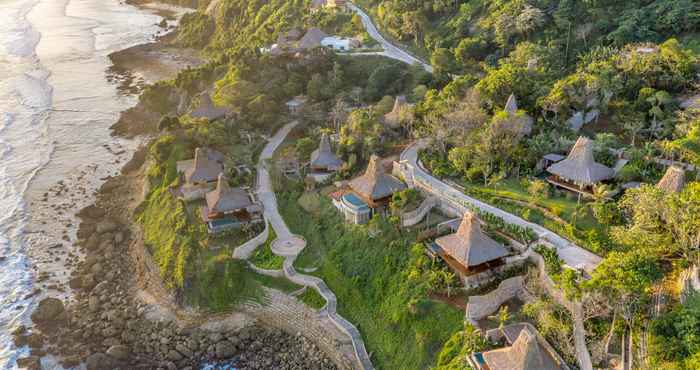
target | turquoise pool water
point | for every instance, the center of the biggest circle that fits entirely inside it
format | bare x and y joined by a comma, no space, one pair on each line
355,200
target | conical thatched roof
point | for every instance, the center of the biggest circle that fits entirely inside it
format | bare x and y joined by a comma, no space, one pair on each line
316,4
393,118
312,39
375,183
204,169
511,105
526,353
518,122
323,157
469,245
580,167
226,199
673,181
207,109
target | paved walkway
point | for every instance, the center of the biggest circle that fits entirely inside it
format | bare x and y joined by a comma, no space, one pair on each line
572,254
289,246
390,50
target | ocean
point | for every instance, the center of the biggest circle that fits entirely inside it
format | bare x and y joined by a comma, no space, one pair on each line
57,102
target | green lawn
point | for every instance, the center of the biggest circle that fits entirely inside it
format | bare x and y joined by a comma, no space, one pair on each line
312,298
263,256
566,208
368,275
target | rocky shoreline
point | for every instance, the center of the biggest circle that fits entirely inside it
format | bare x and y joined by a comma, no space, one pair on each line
106,324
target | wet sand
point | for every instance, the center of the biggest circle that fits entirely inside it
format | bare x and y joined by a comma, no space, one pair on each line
52,231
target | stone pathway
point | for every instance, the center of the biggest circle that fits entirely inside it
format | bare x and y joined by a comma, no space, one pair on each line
289,246
573,255
390,50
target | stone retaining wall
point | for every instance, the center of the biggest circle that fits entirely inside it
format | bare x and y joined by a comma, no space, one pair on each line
480,306
289,314
246,250
417,215
261,271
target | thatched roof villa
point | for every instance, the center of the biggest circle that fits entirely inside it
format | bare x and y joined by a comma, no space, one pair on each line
673,180
399,112
470,250
207,109
225,199
369,193
528,350
204,168
323,158
579,171
229,207
376,186
312,39
518,121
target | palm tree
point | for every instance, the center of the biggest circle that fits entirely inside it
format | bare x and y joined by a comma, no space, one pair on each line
502,317
448,278
601,193
658,102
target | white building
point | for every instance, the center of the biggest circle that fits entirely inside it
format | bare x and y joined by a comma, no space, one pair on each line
340,43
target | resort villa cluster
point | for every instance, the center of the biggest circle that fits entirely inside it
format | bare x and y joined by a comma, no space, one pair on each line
295,41
224,207
474,252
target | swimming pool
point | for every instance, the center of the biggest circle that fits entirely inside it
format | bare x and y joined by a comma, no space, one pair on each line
355,200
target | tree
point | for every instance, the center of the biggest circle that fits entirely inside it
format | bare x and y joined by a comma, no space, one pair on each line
385,105
683,221
633,124
502,317
318,88
658,101
304,147
529,19
626,279
441,60
538,189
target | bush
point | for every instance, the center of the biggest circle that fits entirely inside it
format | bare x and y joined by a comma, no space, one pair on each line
312,299
263,256
553,265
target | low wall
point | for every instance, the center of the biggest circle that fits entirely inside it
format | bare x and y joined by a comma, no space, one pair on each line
246,250
261,271
480,306
417,215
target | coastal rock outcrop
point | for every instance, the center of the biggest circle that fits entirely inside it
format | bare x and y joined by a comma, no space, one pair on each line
49,311
106,327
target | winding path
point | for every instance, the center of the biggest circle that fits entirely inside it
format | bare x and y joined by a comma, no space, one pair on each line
390,50
289,246
573,255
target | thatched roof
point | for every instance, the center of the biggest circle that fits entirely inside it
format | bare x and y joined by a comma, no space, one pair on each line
393,118
469,245
375,183
511,105
290,36
526,353
316,4
673,181
211,154
207,109
226,199
204,169
312,39
519,122
580,167
323,157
